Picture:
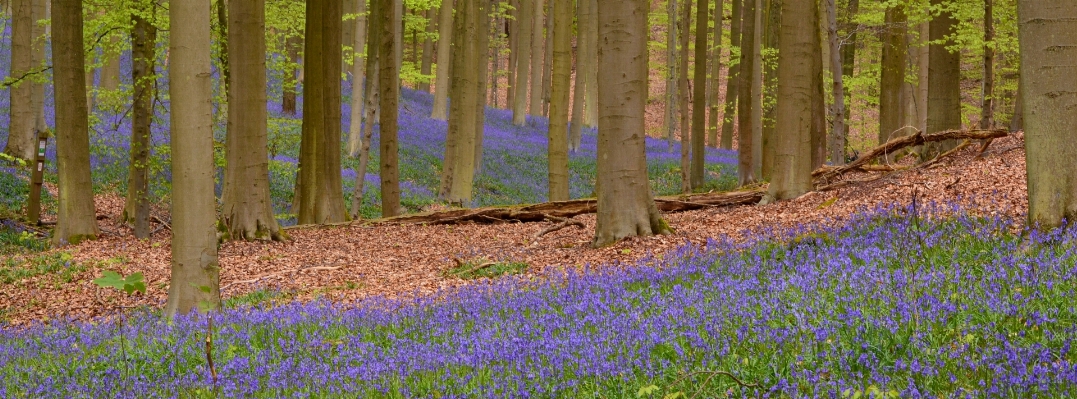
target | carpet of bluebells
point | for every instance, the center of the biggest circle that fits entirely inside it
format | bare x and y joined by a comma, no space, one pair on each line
891,305
513,170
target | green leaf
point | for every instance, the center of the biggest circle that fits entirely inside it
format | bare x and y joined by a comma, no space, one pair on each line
647,391
674,395
110,279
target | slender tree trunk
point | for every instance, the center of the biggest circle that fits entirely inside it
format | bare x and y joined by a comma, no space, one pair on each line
772,16
441,85
398,36
483,45
671,74
796,52
1017,123
848,50
110,70
247,212
319,190
389,84
747,99
893,77
837,131
41,36
699,108
495,72
143,37
579,88
368,126
523,62
944,89
590,116
732,88
512,25
222,56
428,50
22,140
819,125
537,54
359,83
195,277
923,58
1047,31
288,100
458,172
757,92
547,63
557,150
714,86
625,205
683,95
987,107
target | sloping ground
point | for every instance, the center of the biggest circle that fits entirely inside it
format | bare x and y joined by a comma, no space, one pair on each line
349,262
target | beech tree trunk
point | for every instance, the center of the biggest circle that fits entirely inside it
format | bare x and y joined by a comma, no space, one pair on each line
987,106
848,50
389,76
482,66
714,86
757,92
772,18
580,84
444,71
22,140
671,74
512,27
819,126
319,190
143,37
944,88
537,53
110,69
288,99
247,212
457,176
195,280
1047,31
732,88
625,206
370,111
837,131
523,62
590,109
796,52
747,99
699,108
557,149
892,81
684,97
547,61
359,83
428,49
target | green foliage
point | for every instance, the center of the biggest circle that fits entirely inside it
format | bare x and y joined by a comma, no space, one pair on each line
15,270
130,284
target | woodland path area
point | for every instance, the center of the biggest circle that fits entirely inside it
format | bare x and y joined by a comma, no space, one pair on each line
350,262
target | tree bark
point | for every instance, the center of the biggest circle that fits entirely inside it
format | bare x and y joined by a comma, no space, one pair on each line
987,106
512,27
557,150
428,50
671,74
195,279
837,131
444,71
714,86
892,81
747,99
22,140
288,99
684,97
359,83
483,66
319,190
580,84
523,62
625,206
770,85
143,37
796,52
458,170
110,69
1047,31
819,125
389,76
732,88
398,35
368,125
848,50
944,77
547,61
757,92
699,108
590,109
247,212
923,61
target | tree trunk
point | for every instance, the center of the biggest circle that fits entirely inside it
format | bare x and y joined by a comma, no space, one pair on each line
732,86
714,86
987,106
671,74
590,109
579,89
699,108
1017,123
684,97
319,190
110,70
459,167
848,50
747,99
247,212
819,126
537,53
625,205
222,56
557,150
398,35
368,125
444,72
288,100
944,77
482,67
796,52
923,58
1047,31
428,50
359,83
496,32
195,281
22,140
523,62
389,77
547,63
892,81
143,37
348,31
512,26
770,86
757,92
837,131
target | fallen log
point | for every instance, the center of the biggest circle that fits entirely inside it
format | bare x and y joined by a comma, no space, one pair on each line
825,174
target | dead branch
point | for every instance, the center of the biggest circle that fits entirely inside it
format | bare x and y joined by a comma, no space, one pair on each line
564,222
476,268
162,222
277,274
826,174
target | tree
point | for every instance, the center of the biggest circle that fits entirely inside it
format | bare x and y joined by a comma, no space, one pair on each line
837,132
143,38
699,107
580,89
523,62
684,97
318,189
1047,30
75,219
195,279
625,205
671,74
389,86
732,87
358,144
248,210
428,49
441,83
537,38
292,46
482,65
458,169
557,150
796,51
895,47
944,77
748,166
987,106
22,141
590,66
713,87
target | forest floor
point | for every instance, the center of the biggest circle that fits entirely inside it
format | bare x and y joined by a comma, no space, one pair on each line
350,262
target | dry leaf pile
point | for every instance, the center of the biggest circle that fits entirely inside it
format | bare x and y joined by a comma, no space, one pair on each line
349,262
